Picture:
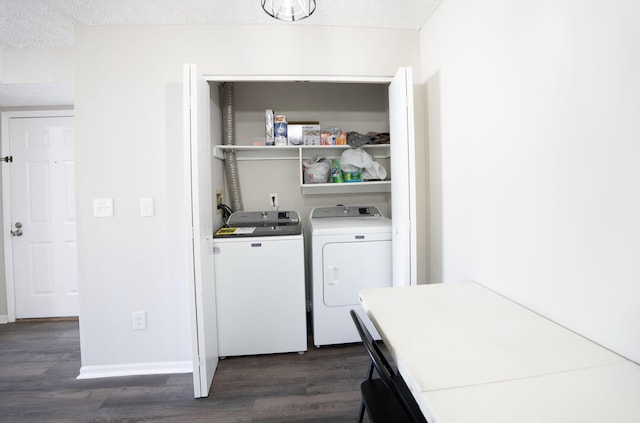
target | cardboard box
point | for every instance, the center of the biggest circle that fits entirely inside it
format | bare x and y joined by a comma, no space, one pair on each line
330,139
327,139
304,133
312,136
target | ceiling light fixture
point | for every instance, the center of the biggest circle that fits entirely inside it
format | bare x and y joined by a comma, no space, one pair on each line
289,10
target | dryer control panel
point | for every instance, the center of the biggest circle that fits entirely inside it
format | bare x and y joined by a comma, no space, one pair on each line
345,211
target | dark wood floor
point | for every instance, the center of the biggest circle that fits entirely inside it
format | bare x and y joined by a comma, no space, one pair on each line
39,362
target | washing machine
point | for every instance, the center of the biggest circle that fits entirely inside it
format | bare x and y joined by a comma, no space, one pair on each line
350,250
260,284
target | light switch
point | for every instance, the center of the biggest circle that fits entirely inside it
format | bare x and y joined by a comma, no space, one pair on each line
146,207
103,207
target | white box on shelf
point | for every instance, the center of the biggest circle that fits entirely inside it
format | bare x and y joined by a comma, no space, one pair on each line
304,133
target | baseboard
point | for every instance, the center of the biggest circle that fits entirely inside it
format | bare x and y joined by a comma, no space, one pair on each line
4,319
135,369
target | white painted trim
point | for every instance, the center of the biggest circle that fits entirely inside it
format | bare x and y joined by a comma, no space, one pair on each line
6,197
6,221
4,320
297,78
191,278
135,369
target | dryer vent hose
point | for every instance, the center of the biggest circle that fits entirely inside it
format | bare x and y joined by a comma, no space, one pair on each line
230,162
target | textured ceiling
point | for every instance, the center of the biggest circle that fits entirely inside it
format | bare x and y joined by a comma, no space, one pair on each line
50,23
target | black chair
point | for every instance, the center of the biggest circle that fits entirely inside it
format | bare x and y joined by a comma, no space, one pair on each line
388,398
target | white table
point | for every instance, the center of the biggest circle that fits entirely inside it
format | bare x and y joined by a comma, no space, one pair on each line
471,355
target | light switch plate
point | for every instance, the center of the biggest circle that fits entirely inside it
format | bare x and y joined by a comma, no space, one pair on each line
103,207
146,207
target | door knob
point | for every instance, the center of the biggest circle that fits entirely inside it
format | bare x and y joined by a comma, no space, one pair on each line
18,231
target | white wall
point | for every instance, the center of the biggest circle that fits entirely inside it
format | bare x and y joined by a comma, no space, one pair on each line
532,112
31,66
128,118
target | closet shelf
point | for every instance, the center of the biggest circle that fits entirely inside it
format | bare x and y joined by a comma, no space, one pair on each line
347,187
302,152
291,152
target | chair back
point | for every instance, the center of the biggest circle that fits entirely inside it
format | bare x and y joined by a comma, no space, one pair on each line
384,368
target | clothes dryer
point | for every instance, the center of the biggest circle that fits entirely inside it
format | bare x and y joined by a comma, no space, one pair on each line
350,250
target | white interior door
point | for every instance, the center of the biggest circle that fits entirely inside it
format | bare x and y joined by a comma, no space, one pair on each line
41,226
198,186
403,179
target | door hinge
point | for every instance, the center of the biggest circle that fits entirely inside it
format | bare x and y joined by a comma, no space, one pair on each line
7,159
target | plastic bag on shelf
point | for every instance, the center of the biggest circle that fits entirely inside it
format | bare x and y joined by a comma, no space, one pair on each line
316,170
358,160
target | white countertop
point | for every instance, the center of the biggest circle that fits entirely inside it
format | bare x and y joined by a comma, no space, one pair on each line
460,343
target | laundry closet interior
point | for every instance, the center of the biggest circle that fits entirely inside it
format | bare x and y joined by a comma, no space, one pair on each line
361,107
365,105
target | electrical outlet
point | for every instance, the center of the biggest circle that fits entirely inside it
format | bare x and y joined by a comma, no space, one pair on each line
273,201
139,320
219,200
